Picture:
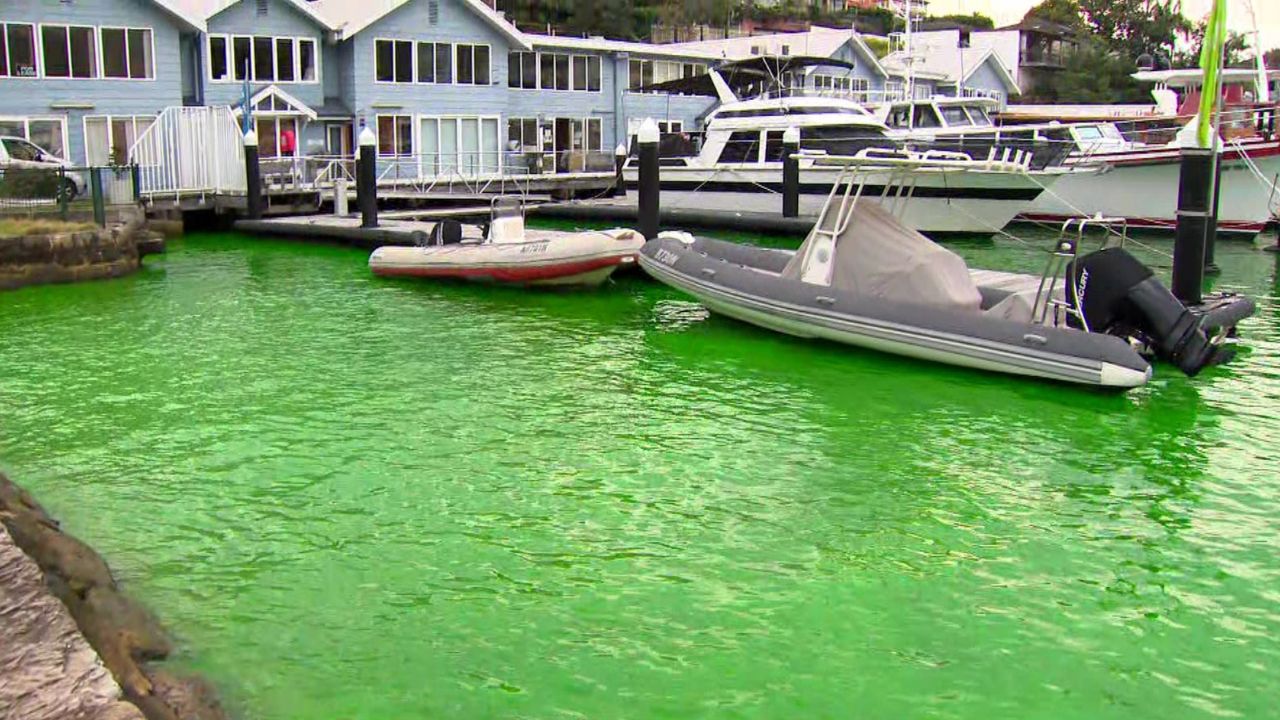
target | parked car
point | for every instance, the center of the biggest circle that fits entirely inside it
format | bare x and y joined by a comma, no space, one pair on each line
19,153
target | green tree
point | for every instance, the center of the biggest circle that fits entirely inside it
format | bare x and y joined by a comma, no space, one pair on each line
977,21
1094,74
1134,27
1272,58
1237,52
1063,12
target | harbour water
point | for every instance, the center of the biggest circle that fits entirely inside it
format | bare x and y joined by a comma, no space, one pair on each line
355,498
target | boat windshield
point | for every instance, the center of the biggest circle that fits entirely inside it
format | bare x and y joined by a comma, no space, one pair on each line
979,116
955,116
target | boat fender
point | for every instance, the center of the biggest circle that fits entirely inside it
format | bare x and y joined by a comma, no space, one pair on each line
683,237
1119,295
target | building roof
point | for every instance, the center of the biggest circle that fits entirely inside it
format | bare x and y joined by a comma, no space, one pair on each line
617,46
955,66
350,17
178,9
207,9
815,42
1194,77
1041,25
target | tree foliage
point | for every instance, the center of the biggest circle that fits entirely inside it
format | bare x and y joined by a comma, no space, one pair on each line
1272,58
976,21
1237,52
1094,74
1135,27
1063,12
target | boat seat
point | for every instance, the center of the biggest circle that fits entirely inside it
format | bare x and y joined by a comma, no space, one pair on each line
446,232
507,224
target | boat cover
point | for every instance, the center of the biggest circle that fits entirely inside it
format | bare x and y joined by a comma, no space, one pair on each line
880,257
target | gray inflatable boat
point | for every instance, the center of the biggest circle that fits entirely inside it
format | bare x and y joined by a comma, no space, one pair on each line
864,279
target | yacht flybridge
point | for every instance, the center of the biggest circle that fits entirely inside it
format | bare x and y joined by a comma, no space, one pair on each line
739,161
863,278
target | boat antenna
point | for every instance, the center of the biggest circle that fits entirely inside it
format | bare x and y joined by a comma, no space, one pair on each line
1264,87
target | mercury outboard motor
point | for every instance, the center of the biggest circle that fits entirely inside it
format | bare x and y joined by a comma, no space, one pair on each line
1121,296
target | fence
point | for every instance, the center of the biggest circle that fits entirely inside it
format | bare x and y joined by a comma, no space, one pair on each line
66,190
191,151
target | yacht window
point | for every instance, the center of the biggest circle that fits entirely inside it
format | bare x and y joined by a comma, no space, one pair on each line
955,116
843,139
742,147
1111,132
926,117
899,116
1088,132
979,116
773,146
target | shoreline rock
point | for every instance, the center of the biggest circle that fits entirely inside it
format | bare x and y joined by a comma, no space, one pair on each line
95,254
126,637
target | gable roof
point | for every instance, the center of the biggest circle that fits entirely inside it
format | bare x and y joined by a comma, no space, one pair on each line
955,66
205,10
618,46
817,41
350,17
176,8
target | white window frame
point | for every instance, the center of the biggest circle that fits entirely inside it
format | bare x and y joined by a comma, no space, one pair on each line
43,72
229,57
537,62
102,54
84,129
26,121
500,151
413,135
454,77
413,61
8,57
415,45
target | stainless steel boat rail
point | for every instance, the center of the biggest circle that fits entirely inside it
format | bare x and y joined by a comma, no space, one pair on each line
1065,252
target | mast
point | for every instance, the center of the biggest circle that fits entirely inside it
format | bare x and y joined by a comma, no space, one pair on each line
1264,87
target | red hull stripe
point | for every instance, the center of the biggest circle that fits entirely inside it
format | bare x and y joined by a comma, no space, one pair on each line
507,273
1168,225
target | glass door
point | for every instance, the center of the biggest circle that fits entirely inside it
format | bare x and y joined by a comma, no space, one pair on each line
429,139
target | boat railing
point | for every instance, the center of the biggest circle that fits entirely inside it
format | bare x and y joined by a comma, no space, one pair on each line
1047,308
997,161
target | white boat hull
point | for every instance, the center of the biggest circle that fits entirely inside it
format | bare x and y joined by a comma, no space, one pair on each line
1142,187
544,258
959,203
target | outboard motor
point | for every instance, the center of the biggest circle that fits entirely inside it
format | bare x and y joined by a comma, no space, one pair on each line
446,232
1121,296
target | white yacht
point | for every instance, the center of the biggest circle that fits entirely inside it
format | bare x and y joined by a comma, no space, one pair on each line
738,163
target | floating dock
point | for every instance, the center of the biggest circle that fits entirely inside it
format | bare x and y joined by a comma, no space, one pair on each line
624,210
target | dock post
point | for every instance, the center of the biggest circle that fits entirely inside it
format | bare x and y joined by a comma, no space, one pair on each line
1211,232
99,201
367,179
1194,211
252,176
650,182
791,173
619,161
340,199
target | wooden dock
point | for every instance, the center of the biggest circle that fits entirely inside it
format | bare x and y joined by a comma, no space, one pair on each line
347,229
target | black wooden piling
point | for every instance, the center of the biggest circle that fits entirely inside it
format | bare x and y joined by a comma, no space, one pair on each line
650,182
252,176
1211,231
99,197
619,162
367,179
1194,210
791,173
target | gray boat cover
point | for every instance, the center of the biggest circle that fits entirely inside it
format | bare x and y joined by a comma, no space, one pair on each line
880,257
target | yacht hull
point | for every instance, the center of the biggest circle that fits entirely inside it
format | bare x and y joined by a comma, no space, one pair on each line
942,203
1142,187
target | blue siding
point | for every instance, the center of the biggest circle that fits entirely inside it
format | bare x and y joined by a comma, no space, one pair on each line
987,77
281,20
101,96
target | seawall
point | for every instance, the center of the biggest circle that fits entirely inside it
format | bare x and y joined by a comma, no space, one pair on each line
72,645
61,257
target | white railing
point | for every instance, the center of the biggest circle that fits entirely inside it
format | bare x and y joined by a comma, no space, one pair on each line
190,151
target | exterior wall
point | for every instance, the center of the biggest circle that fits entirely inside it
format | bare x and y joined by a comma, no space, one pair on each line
1008,47
281,20
863,70
987,78
73,100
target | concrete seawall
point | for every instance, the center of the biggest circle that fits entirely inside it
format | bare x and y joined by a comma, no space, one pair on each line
72,646
73,256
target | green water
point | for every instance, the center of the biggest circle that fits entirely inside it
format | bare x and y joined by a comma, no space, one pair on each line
355,498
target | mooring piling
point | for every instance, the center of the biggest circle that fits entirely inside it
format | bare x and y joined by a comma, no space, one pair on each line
1195,208
367,179
791,173
619,162
1211,231
252,176
650,182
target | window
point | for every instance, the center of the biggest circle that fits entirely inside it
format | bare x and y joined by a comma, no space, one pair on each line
218,69
277,137
285,60
547,63
742,147
394,61
404,61
593,73
17,50
954,115
641,74
523,132
670,126
48,135
580,71
395,135
562,72
68,52
472,64
262,59
426,62
517,75
126,54
444,63
926,117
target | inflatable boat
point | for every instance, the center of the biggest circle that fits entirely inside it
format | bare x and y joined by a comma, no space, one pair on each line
506,252
865,279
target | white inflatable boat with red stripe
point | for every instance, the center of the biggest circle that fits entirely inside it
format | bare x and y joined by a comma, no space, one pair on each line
508,253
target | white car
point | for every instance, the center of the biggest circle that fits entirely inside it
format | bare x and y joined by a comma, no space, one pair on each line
16,152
